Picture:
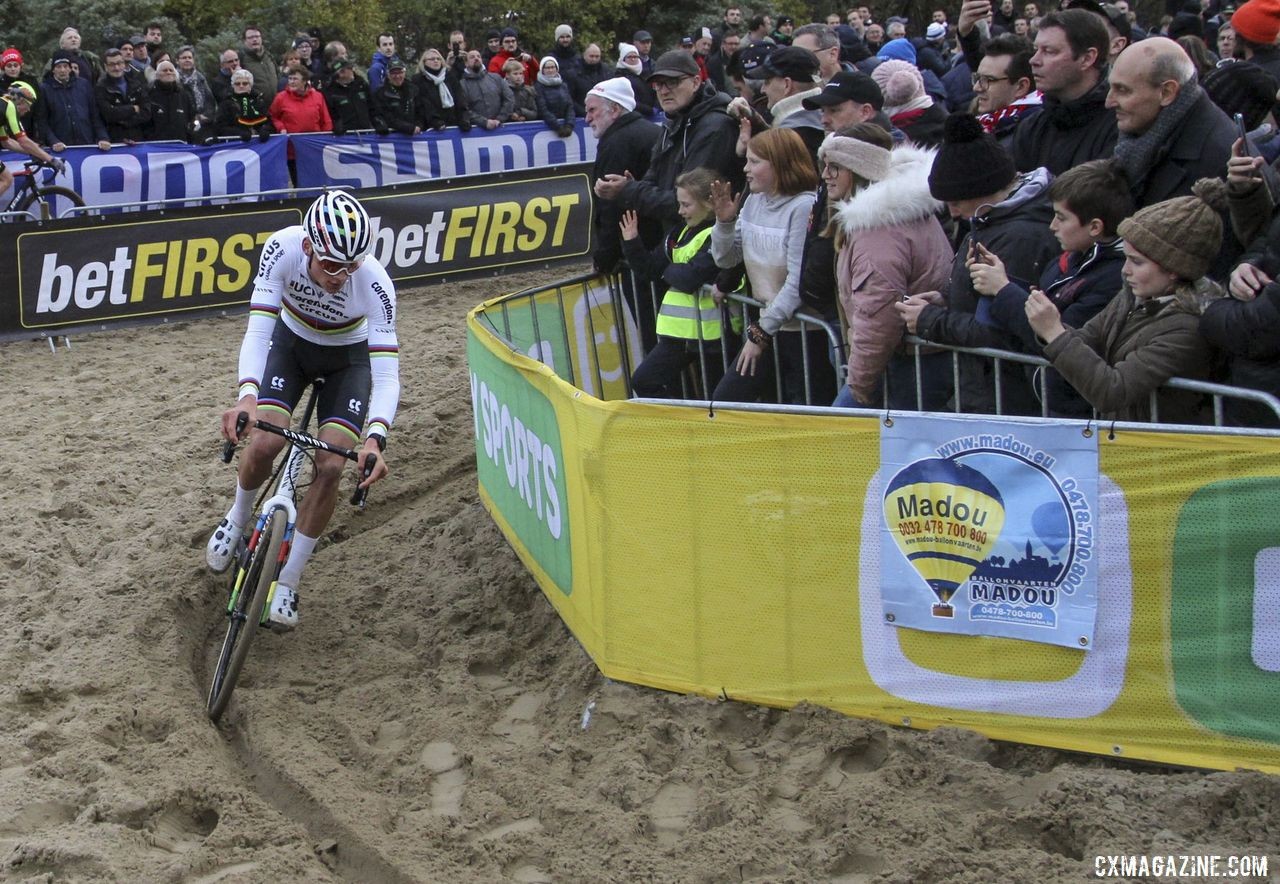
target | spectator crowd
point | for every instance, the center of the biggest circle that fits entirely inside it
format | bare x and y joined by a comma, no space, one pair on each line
1068,183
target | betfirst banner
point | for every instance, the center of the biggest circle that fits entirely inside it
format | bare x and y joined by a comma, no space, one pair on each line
369,160
166,171
95,272
742,554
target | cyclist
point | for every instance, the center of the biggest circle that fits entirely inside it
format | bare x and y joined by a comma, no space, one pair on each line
320,308
14,104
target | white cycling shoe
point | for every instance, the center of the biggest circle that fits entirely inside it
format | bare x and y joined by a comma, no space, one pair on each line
282,609
223,545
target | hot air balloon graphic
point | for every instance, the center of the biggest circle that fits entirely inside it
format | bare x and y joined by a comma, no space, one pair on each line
945,517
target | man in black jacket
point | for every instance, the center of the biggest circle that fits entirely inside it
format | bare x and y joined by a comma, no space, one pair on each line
1075,125
395,103
698,133
122,102
348,98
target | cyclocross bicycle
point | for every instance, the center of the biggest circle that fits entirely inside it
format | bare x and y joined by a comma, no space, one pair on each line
259,560
29,192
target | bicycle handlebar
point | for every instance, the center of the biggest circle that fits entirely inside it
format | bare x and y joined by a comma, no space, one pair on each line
308,441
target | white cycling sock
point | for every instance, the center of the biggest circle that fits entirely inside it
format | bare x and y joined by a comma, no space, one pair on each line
243,506
299,553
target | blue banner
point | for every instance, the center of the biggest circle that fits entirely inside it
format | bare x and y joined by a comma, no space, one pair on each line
990,533
167,170
368,160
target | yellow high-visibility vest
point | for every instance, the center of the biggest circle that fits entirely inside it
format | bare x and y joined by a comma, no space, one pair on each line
684,315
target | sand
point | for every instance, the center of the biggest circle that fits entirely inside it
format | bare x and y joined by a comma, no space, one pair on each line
426,723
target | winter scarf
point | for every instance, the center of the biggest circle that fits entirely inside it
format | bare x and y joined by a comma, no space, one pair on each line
446,97
1138,154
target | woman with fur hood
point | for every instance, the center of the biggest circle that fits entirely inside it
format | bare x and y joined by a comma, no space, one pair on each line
889,244
1150,331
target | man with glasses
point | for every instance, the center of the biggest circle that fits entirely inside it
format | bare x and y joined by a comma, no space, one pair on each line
698,133
258,61
322,307
122,101
1005,87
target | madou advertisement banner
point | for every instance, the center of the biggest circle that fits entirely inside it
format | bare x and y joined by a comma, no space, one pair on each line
992,533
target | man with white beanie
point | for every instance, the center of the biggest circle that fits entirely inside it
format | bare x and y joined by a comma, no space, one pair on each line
566,54
625,140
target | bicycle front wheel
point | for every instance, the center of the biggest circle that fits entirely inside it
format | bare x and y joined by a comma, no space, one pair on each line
255,584
46,196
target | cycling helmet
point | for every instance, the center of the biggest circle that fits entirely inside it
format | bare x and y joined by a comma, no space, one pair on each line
338,227
24,90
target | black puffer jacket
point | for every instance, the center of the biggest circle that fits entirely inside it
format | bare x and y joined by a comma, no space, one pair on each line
172,113
701,135
1017,230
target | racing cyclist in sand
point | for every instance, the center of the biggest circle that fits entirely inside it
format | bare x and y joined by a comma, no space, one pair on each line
321,308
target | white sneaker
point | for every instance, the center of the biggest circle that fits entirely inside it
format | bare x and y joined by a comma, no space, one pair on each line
224,543
282,608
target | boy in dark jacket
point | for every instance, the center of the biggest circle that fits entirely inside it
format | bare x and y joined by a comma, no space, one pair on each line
1089,202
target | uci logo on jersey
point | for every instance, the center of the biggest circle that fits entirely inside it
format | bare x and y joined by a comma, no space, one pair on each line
277,383
355,405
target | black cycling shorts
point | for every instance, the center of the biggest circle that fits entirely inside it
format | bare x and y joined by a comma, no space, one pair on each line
293,363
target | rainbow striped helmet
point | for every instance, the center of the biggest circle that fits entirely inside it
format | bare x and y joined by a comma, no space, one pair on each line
338,227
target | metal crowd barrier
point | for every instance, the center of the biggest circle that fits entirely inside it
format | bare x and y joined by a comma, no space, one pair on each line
623,317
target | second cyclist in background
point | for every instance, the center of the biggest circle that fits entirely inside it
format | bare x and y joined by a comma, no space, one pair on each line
321,308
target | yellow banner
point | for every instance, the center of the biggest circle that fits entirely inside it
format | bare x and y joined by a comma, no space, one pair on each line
737,554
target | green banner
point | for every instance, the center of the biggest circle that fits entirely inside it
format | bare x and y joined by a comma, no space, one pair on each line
520,461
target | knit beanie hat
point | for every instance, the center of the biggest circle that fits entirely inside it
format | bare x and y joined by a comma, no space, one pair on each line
1182,235
899,82
563,31
970,164
1258,21
866,160
901,49
625,49
11,55
1242,88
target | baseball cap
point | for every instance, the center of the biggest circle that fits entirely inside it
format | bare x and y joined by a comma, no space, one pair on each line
787,61
753,57
340,63
676,63
396,64
686,40
642,37
847,86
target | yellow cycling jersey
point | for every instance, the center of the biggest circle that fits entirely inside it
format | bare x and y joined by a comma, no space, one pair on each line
10,126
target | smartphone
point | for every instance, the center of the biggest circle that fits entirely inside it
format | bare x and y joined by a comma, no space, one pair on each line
1243,135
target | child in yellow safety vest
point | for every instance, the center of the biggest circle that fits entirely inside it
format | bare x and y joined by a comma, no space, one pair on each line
691,320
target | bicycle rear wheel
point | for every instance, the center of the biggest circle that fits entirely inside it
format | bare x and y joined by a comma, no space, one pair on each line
259,572
46,195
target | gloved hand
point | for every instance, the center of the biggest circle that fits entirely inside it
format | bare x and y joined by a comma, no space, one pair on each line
246,135
339,129
264,134
464,126
59,166
382,129
565,130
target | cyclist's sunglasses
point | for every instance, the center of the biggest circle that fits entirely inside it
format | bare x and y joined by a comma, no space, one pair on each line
337,268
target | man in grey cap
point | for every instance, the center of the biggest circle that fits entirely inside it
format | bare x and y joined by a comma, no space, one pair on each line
698,133
643,41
